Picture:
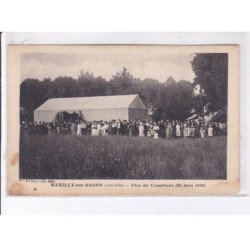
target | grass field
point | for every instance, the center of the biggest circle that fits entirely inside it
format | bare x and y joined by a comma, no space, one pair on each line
72,157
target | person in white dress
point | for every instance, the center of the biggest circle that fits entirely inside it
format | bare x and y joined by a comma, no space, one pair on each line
178,130
156,131
148,129
202,132
141,130
94,130
79,129
149,132
210,131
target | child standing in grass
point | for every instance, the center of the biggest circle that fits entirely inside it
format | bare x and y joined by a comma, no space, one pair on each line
202,132
79,129
210,131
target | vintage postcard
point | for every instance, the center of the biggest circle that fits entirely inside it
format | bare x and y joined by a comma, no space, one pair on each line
123,120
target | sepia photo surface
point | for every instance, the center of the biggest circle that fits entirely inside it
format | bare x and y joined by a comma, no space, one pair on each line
123,120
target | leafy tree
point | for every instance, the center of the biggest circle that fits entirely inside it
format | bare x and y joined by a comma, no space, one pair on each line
170,81
85,74
62,86
148,89
84,84
179,100
211,74
99,86
32,94
170,101
161,100
123,80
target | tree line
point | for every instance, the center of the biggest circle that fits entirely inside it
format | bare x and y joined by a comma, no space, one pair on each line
169,100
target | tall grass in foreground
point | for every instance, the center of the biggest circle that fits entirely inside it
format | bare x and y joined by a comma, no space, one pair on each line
113,157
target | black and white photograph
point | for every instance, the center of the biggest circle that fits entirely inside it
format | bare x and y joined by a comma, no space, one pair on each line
123,113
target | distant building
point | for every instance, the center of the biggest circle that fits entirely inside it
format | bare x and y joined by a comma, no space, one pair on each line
106,108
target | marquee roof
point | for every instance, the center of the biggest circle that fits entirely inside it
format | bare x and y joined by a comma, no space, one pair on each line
93,102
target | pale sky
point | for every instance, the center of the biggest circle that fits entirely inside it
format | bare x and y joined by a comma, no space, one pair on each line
156,66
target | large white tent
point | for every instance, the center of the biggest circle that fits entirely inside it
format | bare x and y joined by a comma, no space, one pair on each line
106,108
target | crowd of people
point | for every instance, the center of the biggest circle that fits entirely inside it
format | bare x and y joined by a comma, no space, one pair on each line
161,129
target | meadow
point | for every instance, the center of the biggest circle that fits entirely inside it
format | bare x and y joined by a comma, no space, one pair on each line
118,157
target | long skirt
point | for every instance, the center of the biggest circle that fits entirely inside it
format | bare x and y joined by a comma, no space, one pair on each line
141,133
156,136
79,132
210,133
94,132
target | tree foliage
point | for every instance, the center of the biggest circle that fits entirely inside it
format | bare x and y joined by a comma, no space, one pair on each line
175,101
169,101
211,74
